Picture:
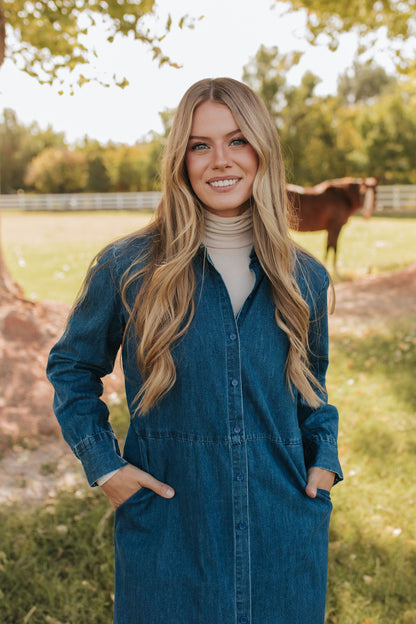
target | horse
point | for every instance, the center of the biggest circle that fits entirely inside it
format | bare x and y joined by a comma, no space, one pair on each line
329,205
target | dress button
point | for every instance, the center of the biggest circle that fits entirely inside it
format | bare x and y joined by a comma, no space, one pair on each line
240,477
237,429
242,526
234,382
233,336
243,619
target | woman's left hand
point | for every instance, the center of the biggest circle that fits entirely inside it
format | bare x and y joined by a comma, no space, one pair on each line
318,478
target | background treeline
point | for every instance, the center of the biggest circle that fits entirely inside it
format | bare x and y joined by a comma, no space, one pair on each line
367,128
41,161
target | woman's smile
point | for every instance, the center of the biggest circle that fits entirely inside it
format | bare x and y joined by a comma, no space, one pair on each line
223,184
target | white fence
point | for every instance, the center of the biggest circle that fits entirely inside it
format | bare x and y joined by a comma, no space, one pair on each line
80,201
394,198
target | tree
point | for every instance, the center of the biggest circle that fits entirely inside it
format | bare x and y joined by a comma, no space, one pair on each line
98,178
132,167
305,121
58,170
266,73
328,19
19,144
308,132
48,39
364,82
388,131
367,129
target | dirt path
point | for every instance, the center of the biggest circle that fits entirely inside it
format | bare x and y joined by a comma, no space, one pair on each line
389,296
35,471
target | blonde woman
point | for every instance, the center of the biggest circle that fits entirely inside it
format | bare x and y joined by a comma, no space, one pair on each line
222,494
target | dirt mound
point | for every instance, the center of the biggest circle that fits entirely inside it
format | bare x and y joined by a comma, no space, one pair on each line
27,332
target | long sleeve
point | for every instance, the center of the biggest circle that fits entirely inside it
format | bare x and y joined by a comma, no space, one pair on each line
78,362
320,426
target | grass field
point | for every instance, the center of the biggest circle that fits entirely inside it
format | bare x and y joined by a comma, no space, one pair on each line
56,559
49,253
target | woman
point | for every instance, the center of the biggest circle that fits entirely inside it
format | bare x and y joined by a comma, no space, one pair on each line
222,494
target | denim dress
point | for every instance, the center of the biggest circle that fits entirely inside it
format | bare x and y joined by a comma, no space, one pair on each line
240,542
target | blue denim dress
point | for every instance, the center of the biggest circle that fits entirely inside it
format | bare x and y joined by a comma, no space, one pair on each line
240,542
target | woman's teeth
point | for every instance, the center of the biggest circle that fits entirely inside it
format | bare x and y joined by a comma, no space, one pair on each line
221,183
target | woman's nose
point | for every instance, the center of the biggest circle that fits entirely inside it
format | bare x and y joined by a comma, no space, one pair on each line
220,157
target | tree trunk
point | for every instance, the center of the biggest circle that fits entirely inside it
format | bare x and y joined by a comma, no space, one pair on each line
9,289
2,33
6,282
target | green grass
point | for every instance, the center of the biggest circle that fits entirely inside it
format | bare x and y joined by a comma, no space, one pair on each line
56,562
48,254
372,569
56,559
365,247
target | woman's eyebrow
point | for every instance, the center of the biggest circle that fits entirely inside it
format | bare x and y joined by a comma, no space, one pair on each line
229,134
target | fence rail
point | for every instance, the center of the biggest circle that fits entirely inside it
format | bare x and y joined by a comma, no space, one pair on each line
67,202
396,198
393,198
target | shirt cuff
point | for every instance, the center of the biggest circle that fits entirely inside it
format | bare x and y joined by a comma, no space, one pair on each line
106,477
323,454
99,455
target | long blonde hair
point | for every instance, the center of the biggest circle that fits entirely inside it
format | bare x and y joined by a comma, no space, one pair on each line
164,306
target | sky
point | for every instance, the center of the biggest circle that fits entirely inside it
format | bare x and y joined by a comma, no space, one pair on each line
221,43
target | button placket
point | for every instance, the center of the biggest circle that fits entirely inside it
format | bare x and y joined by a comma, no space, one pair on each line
239,469
238,457
242,533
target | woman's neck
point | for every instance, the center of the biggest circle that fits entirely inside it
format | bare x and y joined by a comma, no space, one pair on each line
228,232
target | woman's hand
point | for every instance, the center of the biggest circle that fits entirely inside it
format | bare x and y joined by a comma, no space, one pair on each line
129,480
318,478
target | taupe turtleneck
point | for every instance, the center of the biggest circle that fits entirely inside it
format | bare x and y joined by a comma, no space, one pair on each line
229,241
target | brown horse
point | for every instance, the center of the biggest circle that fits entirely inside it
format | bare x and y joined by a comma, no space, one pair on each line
329,205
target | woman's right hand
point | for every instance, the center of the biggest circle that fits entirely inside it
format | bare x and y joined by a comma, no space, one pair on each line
129,480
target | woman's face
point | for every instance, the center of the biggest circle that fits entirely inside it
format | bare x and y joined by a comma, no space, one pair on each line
221,164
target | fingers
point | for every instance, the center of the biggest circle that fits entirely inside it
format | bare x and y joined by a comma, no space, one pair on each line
129,480
162,489
311,490
318,478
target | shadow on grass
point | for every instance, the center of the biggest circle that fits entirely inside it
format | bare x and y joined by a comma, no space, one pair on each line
371,578
372,560
57,561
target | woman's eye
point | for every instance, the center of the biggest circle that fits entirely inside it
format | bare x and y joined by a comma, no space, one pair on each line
198,146
239,141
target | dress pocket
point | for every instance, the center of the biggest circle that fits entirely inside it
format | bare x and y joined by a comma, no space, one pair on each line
324,495
134,498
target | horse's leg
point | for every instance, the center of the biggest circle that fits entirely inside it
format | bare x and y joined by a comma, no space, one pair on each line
332,243
327,249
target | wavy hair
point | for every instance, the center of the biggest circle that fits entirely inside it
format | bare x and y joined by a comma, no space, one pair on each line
164,306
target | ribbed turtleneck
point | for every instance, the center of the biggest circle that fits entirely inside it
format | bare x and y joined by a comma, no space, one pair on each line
229,241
